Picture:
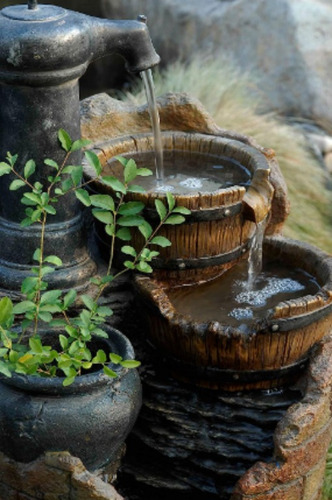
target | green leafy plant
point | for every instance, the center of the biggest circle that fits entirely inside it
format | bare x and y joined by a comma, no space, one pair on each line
22,348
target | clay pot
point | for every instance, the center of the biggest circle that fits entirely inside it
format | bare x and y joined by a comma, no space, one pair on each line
218,356
218,232
90,418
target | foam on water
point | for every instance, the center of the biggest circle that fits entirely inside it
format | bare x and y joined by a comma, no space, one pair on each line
230,301
259,298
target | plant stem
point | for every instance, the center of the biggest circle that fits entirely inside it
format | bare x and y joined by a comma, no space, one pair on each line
40,271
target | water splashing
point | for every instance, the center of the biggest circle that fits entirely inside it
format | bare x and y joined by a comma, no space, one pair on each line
147,78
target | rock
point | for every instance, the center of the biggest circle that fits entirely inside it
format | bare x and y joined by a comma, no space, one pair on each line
54,476
287,44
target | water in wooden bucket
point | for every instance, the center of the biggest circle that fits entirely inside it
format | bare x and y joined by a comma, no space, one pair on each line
192,172
231,301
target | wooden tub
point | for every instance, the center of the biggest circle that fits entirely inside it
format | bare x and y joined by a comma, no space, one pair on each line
217,356
219,230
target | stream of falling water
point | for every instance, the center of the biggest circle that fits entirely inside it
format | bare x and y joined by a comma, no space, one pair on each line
255,263
148,82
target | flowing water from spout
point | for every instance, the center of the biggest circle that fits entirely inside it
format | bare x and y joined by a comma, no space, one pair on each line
148,82
255,262
199,173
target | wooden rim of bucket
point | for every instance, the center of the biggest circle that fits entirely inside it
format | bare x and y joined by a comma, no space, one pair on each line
246,155
287,315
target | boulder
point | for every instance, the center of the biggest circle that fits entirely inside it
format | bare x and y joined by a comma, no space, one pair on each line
286,44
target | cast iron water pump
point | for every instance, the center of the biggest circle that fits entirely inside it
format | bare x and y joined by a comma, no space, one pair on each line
44,50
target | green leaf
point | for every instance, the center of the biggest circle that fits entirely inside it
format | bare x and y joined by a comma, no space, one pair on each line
129,264
34,197
161,209
115,358
161,241
38,186
45,316
50,296
35,345
106,370
68,380
100,357
37,255
130,221
72,332
104,311
114,183
130,171
170,201
79,144
94,161
174,219
135,188
144,172
103,215
51,163
75,172
66,185
130,363
6,310
106,279
122,160
53,259
16,184
102,201
83,196
89,302
23,307
63,341
35,216
123,234
181,210
4,169
29,168
49,209
51,308
128,250
69,298
100,333
146,229
47,270
131,208
144,267
110,229
65,140
29,284
4,369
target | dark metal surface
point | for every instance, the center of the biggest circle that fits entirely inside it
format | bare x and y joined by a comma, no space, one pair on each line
44,50
32,4
202,262
206,214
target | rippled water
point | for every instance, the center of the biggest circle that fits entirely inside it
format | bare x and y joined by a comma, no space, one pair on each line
229,300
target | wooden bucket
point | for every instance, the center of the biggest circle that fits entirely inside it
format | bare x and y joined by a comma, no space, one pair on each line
219,230
216,356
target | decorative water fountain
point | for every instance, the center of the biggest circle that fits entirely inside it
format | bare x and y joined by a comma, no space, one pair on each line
190,342
207,452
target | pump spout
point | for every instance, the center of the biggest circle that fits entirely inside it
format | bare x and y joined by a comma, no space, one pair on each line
130,39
